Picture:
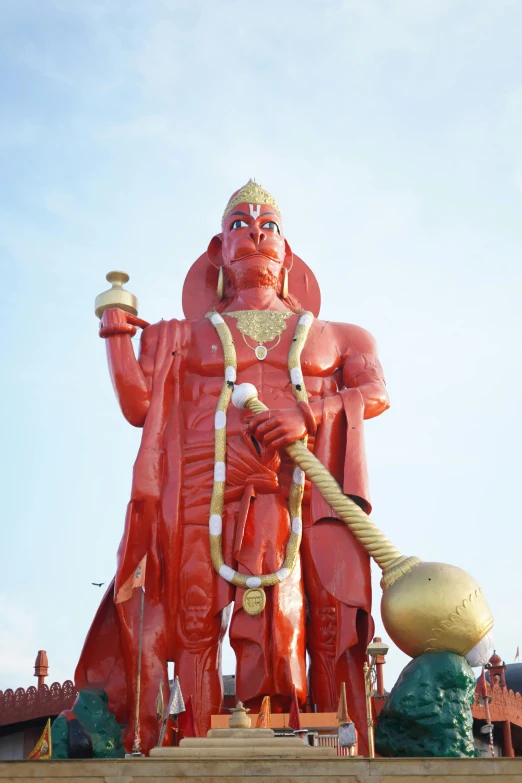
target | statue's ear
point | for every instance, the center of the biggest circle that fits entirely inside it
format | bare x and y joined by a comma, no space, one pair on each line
289,257
215,250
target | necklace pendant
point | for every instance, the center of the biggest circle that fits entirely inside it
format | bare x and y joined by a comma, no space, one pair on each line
254,601
261,352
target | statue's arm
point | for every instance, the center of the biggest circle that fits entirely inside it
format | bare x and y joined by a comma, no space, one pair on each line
362,370
131,378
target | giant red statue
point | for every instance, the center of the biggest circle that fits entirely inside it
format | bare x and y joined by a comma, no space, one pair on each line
250,297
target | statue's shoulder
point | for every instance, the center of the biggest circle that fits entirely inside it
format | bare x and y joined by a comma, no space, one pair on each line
350,338
200,327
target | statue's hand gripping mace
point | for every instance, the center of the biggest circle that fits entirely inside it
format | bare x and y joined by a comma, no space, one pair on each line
425,606
387,557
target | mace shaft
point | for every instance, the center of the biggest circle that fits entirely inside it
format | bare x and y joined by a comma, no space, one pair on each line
386,555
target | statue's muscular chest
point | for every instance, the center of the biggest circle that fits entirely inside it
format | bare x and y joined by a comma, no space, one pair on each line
320,363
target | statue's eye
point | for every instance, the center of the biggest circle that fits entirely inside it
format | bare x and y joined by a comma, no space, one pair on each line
238,224
271,226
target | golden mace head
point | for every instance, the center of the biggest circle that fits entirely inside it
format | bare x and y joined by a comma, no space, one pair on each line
435,607
116,296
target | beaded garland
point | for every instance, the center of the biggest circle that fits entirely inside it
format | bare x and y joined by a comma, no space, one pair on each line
217,502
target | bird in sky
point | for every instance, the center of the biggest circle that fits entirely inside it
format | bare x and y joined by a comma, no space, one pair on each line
97,584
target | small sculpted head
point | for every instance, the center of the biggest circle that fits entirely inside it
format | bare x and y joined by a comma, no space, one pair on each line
252,248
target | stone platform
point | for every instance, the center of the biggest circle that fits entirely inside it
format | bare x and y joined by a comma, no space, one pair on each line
233,744
334,769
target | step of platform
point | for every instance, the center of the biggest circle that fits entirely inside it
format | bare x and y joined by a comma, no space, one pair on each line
336,769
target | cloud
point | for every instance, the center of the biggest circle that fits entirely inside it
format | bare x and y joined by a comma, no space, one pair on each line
62,205
518,181
511,126
43,63
138,129
19,134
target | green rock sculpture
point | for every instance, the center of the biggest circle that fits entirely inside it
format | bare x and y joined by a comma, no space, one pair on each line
428,712
90,708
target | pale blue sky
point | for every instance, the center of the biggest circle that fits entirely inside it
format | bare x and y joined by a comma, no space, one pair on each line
390,134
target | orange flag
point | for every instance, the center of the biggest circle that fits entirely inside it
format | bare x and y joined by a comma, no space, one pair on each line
517,654
137,579
342,710
264,719
186,720
44,747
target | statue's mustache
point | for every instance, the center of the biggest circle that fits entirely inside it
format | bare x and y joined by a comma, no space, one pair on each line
253,254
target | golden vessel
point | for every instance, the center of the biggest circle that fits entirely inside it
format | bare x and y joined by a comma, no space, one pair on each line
116,296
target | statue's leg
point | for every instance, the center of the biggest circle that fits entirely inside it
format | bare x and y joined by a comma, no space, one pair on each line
269,647
337,632
321,637
201,624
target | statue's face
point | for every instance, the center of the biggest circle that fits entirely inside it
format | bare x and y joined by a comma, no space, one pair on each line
253,237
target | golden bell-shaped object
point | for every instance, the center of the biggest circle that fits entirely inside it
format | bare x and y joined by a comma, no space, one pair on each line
435,607
117,296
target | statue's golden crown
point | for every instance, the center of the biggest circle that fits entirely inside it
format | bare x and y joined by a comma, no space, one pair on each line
251,193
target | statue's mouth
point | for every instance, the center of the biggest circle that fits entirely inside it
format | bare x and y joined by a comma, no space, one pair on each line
255,254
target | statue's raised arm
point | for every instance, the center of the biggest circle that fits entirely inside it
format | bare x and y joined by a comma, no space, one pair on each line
131,377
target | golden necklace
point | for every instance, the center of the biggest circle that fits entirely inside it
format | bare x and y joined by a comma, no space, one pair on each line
254,598
263,326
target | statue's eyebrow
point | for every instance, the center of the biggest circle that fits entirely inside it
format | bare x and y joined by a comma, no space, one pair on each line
269,213
240,213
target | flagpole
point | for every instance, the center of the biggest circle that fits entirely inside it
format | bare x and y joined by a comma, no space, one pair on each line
166,716
162,732
136,746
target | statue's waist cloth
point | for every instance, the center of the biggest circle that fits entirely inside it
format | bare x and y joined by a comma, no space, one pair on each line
256,523
249,468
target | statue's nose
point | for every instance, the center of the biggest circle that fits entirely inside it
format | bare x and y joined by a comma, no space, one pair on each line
256,234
